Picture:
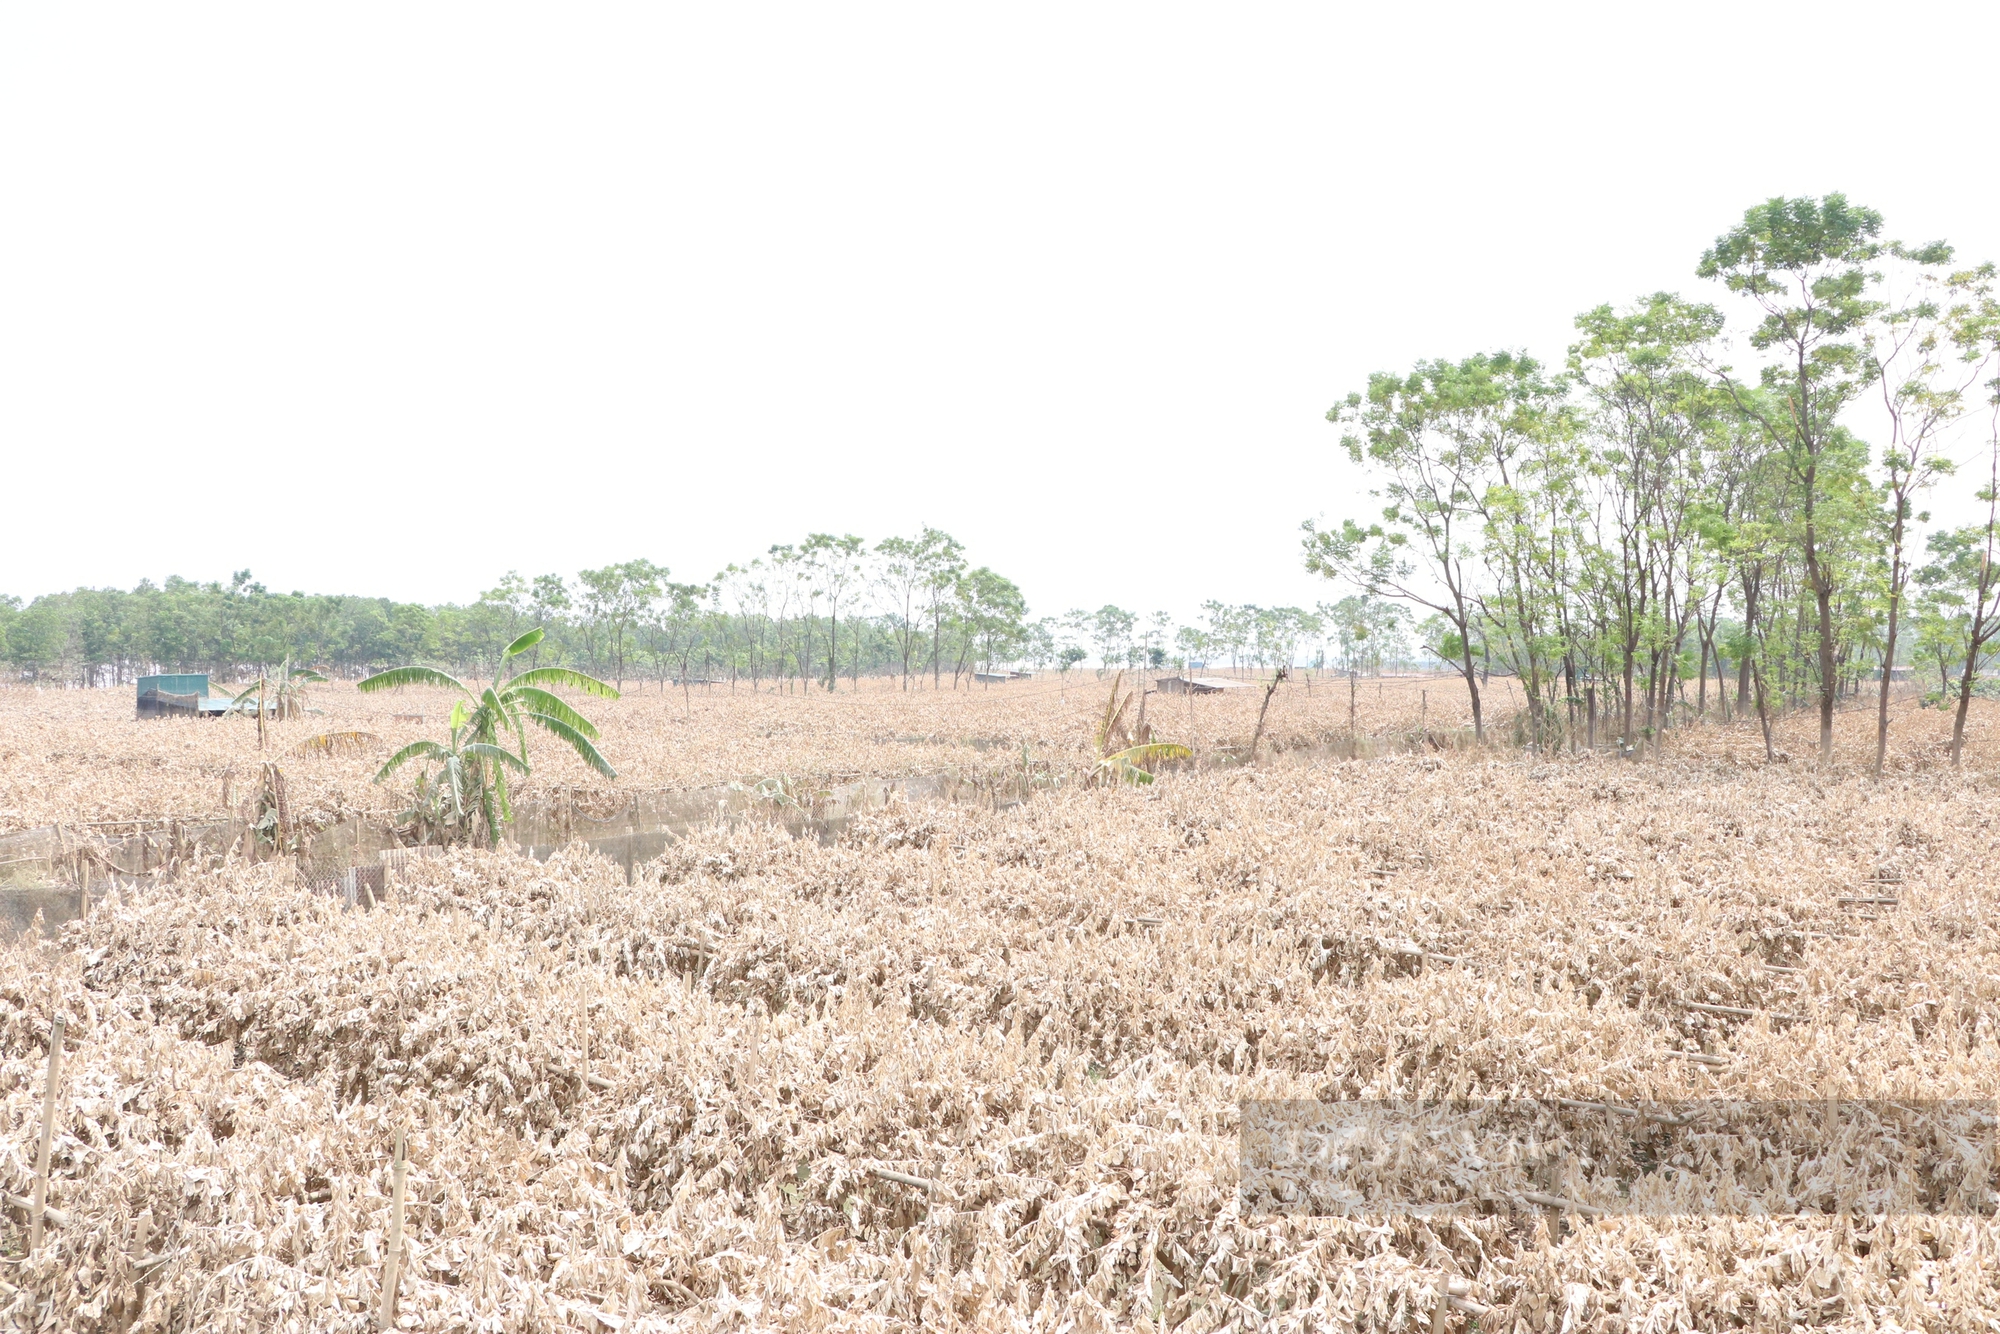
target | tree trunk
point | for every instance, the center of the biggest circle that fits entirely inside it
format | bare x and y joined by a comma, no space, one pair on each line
1625,726
1721,687
1701,693
1828,679
1569,695
1763,715
1472,684
1964,705
1821,580
1889,649
1750,590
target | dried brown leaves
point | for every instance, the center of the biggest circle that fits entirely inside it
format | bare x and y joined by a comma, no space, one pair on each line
708,1100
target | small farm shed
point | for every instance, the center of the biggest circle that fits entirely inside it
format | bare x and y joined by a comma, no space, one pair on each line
185,695
1198,685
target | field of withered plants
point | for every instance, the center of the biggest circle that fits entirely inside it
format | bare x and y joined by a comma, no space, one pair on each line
991,1066
79,756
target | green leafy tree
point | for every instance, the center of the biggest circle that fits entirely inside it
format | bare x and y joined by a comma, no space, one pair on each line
1656,423
900,574
1438,438
940,560
1961,586
1111,630
616,598
991,619
1926,355
835,567
1805,263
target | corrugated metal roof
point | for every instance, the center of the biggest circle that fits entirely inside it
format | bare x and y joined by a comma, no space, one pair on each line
186,683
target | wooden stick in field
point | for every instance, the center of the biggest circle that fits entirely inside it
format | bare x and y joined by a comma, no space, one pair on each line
41,1196
142,1232
392,1262
1269,691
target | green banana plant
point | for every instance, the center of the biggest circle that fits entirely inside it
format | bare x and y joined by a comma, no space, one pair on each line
464,783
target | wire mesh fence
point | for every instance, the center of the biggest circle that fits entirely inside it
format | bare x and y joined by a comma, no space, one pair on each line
57,870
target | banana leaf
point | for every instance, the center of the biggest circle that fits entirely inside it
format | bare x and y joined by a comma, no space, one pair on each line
410,676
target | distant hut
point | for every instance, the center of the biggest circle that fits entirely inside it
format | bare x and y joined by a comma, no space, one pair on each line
1199,685
182,695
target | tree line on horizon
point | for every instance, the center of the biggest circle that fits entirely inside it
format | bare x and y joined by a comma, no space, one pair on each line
800,616
1649,517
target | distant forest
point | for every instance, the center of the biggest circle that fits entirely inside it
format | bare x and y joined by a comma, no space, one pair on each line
811,613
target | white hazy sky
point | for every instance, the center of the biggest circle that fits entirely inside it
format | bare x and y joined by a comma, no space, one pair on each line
390,299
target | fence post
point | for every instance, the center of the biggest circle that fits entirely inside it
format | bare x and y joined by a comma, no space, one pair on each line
48,1131
392,1262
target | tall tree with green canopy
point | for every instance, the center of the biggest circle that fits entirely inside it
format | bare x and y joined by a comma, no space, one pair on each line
940,561
1962,580
900,574
616,599
1111,630
1438,437
1805,263
835,567
1658,422
992,614
489,736
1926,353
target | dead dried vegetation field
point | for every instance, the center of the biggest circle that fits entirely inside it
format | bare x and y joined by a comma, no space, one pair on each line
79,755
972,1068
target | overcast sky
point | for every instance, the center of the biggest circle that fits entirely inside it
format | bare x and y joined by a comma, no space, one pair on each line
391,299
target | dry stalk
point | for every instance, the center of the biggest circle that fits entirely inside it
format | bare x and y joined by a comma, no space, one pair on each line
39,1203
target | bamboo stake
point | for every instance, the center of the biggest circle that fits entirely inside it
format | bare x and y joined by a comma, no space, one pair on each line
903,1178
56,1217
392,1262
1738,1012
1559,1202
41,1198
142,1232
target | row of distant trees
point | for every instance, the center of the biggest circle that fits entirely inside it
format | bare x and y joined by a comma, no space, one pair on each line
1620,530
801,615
